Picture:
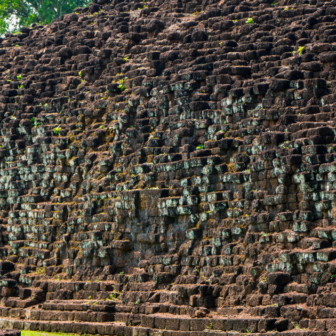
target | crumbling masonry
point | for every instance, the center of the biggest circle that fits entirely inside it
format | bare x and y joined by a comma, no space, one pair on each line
168,168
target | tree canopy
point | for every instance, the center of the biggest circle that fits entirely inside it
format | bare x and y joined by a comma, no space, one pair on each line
18,13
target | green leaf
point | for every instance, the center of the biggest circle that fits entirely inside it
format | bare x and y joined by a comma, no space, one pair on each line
27,12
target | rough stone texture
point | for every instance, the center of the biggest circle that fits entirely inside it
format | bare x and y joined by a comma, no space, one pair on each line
10,332
169,168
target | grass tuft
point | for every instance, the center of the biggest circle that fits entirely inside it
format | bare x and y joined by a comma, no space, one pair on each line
43,333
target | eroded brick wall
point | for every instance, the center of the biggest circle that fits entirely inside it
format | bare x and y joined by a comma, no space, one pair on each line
182,150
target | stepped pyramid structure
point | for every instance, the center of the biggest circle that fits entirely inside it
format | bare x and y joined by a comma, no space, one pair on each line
168,168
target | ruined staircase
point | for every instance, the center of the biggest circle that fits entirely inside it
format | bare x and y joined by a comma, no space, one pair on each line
168,168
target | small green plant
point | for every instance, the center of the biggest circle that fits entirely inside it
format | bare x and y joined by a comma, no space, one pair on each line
113,297
273,3
296,325
80,73
264,280
57,130
101,126
16,45
196,13
126,58
274,305
200,147
19,77
21,86
300,50
248,331
235,21
286,8
121,85
249,21
122,272
46,106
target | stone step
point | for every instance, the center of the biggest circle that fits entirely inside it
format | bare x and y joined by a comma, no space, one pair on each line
96,305
121,329
17,303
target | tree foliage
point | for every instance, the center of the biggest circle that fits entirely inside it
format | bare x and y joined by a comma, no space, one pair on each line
18,13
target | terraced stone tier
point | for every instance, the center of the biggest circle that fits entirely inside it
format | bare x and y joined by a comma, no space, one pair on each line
10,332
169,168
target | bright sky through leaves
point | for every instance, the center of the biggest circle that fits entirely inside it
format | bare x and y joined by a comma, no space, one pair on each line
17,13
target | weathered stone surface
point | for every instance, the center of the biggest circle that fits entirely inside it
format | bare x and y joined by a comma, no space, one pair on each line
168,168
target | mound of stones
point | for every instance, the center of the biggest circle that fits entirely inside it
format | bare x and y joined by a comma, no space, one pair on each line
168,167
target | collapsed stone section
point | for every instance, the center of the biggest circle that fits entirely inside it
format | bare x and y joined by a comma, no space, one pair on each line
170,158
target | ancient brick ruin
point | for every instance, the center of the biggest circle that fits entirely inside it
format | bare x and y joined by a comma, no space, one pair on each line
9,332
168,168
